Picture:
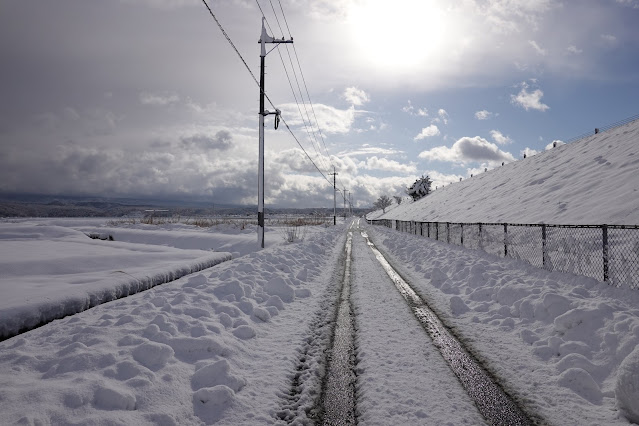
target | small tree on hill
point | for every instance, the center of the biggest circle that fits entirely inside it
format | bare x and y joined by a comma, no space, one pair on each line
398,199
420,188
383,202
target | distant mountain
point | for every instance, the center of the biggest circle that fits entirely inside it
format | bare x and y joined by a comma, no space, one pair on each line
37,205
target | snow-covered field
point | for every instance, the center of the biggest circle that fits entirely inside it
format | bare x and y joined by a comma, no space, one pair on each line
223,345
214,346
50,268
244,341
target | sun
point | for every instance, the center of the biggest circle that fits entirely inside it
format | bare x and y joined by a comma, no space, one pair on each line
398,35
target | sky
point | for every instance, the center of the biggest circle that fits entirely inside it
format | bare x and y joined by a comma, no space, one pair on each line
147,98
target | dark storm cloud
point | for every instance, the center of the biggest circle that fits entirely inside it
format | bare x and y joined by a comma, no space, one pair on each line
221,141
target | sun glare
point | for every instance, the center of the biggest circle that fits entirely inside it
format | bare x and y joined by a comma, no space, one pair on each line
398,35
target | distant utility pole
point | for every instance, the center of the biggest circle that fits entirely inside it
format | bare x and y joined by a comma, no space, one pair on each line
350,204
334,199
345,191
265,38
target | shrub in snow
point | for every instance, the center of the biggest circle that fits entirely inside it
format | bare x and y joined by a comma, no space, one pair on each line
420,188
627,386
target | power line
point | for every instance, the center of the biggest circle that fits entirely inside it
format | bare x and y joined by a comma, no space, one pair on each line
258,84
305,86
311,136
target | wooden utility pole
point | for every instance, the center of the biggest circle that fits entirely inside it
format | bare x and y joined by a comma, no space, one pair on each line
265,38
334,197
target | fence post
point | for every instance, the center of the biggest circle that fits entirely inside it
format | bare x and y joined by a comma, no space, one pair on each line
428,229
481,244
604,234
421,229
437,231
505,240
448,232
543,245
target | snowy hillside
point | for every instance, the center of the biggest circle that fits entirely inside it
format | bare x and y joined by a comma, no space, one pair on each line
591,181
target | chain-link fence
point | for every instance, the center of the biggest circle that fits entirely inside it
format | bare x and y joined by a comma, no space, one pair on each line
608,253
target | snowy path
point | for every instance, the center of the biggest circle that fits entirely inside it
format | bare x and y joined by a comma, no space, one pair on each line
402,378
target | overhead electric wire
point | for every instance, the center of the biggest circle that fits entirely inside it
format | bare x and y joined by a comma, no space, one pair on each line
319,130
296,79
258,84
311,135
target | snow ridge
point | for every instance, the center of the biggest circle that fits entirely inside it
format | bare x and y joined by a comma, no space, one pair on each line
588,182
18,319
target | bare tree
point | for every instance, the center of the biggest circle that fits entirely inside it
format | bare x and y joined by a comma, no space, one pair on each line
383,202
398,199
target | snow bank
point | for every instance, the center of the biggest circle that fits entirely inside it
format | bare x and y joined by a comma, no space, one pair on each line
592,181
219,238
211,347
49,272
566,344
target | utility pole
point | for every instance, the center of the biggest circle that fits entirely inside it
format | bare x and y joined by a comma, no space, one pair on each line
334,197
265,38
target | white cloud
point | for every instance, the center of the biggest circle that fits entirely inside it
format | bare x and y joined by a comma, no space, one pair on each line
158,99
467,150
529,100
443,115
572,49
537,48
356,96
499,138
484,115
440,179
553,144
366,149
427,132
608,38
410,109
330,119
529,152
629,3
376,163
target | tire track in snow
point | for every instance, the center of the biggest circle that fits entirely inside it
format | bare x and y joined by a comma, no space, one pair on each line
303,402
492,402
338,396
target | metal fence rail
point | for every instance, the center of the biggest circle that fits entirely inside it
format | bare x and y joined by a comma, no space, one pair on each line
608,253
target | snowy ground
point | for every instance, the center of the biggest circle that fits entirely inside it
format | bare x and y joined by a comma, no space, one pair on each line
223,345
566,345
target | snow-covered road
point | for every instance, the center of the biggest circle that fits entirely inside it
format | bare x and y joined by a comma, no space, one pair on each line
402,378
